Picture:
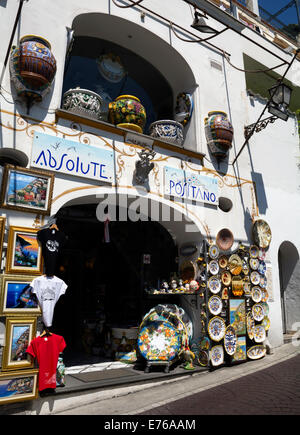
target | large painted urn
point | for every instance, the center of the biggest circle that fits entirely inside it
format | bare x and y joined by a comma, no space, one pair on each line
219,134
127,112
32,67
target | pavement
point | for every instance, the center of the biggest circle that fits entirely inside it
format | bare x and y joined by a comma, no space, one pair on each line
157,396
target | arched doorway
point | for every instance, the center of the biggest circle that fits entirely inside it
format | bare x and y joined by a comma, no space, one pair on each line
107,277
289,274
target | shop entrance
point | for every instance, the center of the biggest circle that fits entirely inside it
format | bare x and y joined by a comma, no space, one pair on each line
105,279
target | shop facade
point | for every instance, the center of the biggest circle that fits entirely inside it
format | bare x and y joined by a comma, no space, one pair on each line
140,208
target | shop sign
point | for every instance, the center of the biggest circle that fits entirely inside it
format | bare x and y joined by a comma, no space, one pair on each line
191,186
73,158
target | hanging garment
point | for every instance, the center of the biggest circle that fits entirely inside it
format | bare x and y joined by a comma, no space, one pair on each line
51,241
48,290
46,350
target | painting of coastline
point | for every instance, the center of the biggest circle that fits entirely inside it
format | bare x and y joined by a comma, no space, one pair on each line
26,250
24,254
26,189
237,312
241,351
18,386
17,297
20,342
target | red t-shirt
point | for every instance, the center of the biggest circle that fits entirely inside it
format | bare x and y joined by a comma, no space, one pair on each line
46,350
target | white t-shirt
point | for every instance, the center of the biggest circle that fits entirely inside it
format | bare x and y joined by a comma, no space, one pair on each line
48,290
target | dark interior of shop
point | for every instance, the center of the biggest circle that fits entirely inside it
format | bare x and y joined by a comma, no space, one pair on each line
106,279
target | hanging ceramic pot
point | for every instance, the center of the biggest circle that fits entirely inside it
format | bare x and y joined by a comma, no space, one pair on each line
83,102
167,130
219,133
127,112
224,239
32,67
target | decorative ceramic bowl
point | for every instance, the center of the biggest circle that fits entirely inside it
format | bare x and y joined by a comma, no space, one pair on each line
83,102
259,333
214,284
226,278
262,267
250,325
213,267
235,264
224,239
213,252
167,130
256,294
254,263
258,312
223,261
255,277
254,251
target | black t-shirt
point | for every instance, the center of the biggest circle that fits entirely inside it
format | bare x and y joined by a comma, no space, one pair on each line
51,241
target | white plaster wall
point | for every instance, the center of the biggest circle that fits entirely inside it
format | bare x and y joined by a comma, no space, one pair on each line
272,154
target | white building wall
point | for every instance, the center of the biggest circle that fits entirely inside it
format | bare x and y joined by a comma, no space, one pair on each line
272,155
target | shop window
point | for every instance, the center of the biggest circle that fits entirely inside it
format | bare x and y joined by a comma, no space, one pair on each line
142,79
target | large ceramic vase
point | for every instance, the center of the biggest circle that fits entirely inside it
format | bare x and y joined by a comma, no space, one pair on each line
127,112
219,134
167,130
83,102
32,67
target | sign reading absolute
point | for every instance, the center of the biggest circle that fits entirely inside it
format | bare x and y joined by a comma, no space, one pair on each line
73,158
187,185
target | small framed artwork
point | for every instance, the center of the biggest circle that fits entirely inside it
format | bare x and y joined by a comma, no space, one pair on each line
18,334
26,189
237,315
240,354
18,386
2,230
24,254
17,298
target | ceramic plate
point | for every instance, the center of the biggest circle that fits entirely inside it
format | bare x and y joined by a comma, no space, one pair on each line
213,267
214,284
264,295
262,234
230,340
184,108
213,251
262,267
159,341
255,278
203,358
235,264
111,68
215,305
256,294
259,333
254,250
265,308
256,352
254,263
216,328
261,254
263,282
266,323
217,355
258,312
226,278
223,261
250,325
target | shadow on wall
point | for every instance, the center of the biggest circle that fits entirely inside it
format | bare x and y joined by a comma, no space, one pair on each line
261,198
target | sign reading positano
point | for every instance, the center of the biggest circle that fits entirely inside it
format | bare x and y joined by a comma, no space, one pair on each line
192,186
73,158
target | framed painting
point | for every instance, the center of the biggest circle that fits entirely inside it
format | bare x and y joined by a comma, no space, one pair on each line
18,386
237,315
18,334
240,354
24,254
28,190
2,230
17,297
